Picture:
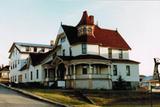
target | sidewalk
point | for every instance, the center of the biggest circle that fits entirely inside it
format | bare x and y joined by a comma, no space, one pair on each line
31,95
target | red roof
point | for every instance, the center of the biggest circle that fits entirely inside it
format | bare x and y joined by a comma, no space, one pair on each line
103,37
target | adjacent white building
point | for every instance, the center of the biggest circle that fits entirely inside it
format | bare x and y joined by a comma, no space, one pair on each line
84,56
19,55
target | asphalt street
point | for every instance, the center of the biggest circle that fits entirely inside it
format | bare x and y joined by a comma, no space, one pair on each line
9,98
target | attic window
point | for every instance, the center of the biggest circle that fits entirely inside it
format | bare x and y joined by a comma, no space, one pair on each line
28,49
35,49
42,49
63,39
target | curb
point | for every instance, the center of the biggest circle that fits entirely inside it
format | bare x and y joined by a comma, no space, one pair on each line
29,94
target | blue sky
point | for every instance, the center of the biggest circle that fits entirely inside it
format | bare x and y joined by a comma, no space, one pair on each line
38,21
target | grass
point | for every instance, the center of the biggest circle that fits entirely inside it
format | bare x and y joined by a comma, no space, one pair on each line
100,98
60,96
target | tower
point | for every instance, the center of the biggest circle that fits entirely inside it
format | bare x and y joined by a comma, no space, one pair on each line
156,71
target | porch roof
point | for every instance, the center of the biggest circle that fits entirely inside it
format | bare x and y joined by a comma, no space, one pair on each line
82,57
88,56
23,67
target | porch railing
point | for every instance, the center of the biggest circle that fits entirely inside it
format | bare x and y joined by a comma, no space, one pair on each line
89,76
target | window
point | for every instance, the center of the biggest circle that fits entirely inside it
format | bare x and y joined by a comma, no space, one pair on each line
84,30
45,75
42,50
15,78
89,30
28,49
109,53
70,51
120,53
80,31
84,69
37,74
63,52
63,39
31,75
15,64
25,76
115,70
35,49
84,49
128,70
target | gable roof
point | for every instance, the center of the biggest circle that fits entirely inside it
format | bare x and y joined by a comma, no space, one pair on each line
24,67
36,58
17,44
6,68
100,36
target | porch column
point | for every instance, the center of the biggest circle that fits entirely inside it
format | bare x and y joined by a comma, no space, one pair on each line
56,68
90,71
90,85
66,74
47,78
110,72
74,72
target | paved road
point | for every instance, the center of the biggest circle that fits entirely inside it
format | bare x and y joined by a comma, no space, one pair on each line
9,98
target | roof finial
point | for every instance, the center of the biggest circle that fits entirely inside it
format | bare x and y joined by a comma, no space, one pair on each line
116,29
97,22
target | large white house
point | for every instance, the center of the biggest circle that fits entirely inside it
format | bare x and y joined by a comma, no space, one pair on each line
84,56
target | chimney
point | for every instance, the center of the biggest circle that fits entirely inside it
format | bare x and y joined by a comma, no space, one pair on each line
91,18
52,42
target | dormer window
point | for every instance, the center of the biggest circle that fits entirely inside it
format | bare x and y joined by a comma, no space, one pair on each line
89,30
85,30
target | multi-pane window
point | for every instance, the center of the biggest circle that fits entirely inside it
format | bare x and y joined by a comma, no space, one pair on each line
35,49
42,50
70,51
25,75
31,75
37,74
15,78
120,53
115,70
84,49
84,69
128,70
84,30
63,52
45,75
109,53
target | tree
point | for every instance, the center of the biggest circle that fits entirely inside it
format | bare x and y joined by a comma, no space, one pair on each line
120,84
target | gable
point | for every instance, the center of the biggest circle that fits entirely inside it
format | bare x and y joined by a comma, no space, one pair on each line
61,35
